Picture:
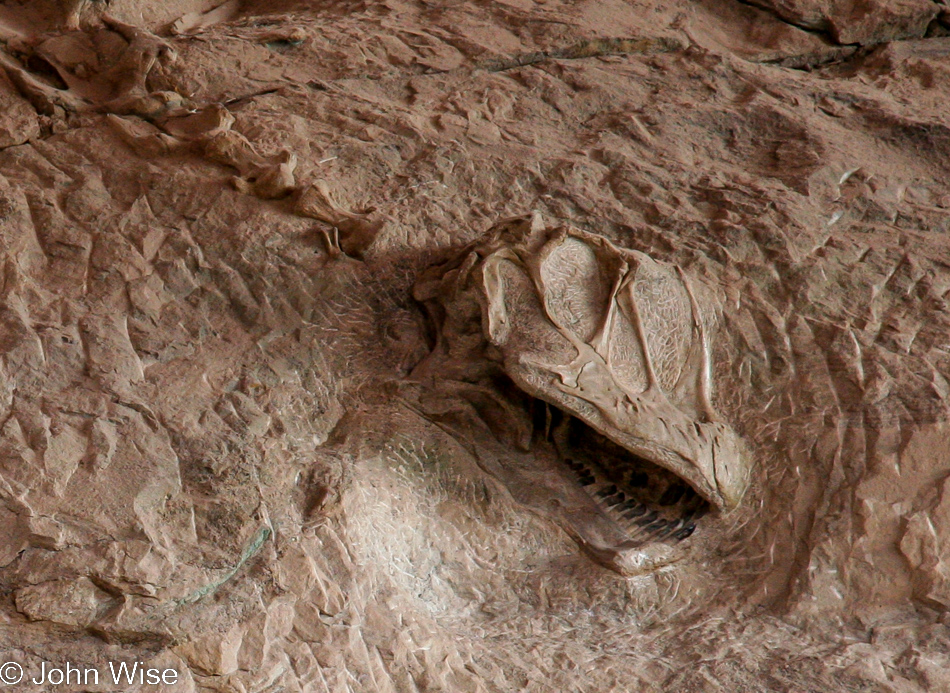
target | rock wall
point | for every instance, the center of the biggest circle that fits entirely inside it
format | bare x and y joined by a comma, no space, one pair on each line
212,460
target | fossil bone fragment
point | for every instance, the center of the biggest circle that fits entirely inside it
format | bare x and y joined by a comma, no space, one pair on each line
613,339
45,99
107,83
356,230
267,177
208,132
196,22
119,87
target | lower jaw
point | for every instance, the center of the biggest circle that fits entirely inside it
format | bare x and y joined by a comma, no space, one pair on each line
653,515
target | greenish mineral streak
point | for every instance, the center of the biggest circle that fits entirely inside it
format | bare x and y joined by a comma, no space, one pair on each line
262,535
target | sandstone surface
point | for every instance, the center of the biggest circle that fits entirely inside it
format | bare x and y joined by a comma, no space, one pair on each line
219,453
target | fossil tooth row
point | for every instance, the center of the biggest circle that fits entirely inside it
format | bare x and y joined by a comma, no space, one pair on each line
674,519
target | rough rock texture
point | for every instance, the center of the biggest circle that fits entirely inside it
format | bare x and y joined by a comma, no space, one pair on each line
18,123
213,454
858,21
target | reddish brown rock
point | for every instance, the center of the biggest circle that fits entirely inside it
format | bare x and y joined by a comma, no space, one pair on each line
18,121
864,22
221,450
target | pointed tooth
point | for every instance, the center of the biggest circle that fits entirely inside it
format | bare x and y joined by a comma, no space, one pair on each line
671,528
685,532
673,494
608,491
636,511
647,519
658,528
640,532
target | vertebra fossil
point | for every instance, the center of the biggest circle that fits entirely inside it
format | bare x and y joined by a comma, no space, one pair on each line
611,338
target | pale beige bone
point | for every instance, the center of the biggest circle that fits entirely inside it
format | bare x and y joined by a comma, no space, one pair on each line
46,99
208,132
196,22
206,122
144,138
267,177
119,88
72,12
145,48
231,148
357,231
155,106
124,78
271,181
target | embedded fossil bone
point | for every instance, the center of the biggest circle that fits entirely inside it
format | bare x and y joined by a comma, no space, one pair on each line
608,335
357,230
271,181
118,86
121,89
45,99
206,122
208,133
196,22
144,50
144,138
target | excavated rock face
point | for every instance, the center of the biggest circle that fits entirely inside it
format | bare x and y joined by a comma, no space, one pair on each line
233,444
858,21
608,337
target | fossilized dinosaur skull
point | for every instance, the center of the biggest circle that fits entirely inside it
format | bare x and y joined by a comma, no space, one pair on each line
606,335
